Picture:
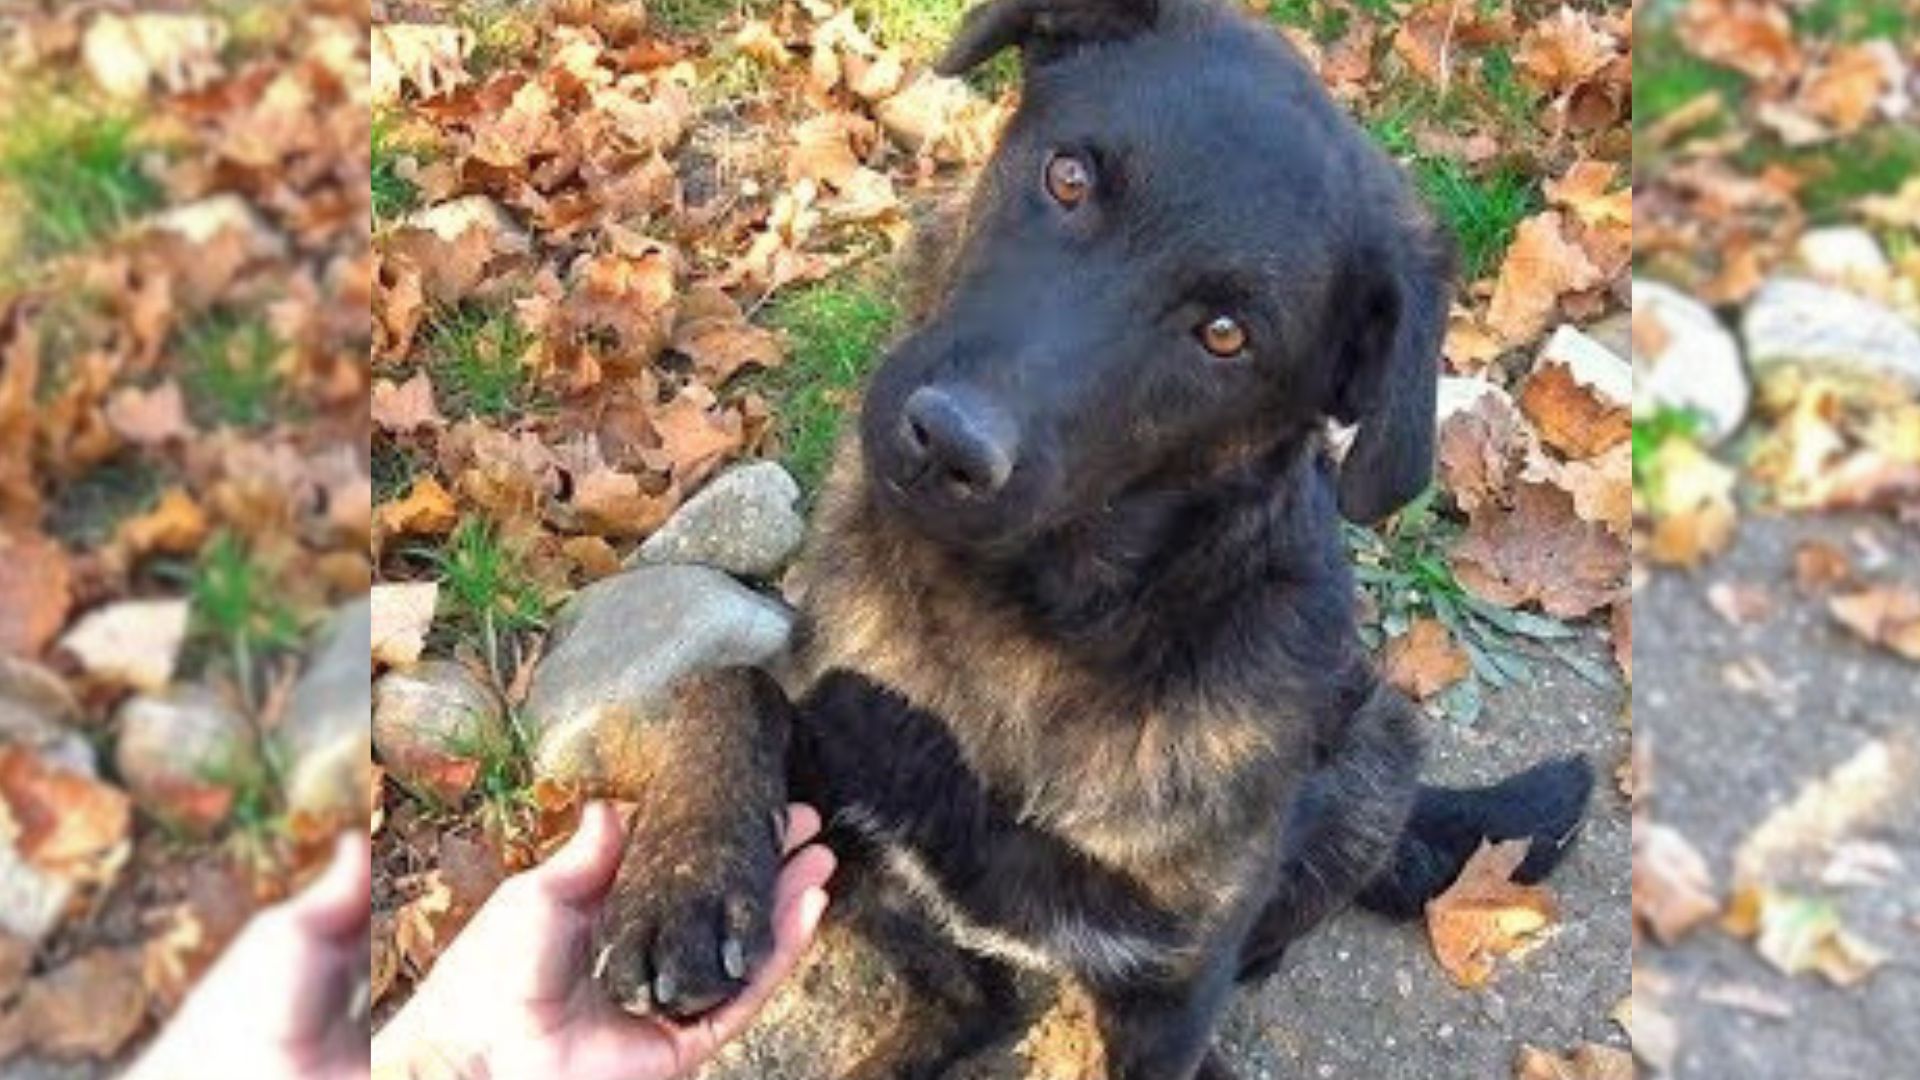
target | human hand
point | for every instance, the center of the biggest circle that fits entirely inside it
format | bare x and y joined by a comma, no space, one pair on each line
281,1000
513,995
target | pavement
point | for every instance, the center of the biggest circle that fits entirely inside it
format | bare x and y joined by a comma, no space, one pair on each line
1722,759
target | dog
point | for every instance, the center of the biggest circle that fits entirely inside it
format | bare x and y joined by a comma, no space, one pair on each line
1077,677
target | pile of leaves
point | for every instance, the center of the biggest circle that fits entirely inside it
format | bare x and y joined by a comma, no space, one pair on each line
184,491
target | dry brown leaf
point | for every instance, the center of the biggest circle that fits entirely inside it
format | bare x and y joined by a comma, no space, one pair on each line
1819,565
175,526
126,54
1622,633
1588,1061
720,347
1484,915
1754,37
149,418
1740,604
87,1007
70,825
1539,550
1479,449
1887,615
1563,50
1540,266
1672,887
1873,786
427,510
1573,418
1425,660
35,592
406,408
696,435
1602,488
429,58
1800,934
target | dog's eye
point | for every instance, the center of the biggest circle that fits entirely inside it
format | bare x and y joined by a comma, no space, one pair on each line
1223,336
1068,180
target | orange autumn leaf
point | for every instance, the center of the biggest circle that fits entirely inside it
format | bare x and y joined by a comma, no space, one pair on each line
1541,266
1588,1061
1539,550
1425,660
407,407
1753,37
70,824
175,526
427,510
34,592
1573,418
1484,916
1886,615
1563,50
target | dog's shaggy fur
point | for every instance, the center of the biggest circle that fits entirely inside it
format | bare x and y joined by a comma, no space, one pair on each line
1078,673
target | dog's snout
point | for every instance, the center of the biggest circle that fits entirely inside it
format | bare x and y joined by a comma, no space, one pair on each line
959,438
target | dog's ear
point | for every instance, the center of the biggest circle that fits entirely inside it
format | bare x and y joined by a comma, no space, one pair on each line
1395,318
1042,30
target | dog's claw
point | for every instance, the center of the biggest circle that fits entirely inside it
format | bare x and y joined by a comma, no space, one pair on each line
733,958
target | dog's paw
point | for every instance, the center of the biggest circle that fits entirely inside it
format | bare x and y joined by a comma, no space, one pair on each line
689,919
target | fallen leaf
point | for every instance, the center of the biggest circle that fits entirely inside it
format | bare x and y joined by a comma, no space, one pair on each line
1799,934
1539,550
402,615
175,526
406,408
429,58
1484,916
1886,615
35,592
149,418
1574,418
1425,660
1819,566
125,54
70,825
1672,887
1740,604
1563,50
132,643
1754,37
1540,266
1588,1061
1872,786
88,1007
427,510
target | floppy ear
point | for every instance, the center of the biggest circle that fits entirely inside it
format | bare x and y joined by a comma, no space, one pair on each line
1043,30
1390,366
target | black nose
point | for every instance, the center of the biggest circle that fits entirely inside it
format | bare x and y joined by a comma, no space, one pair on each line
957,437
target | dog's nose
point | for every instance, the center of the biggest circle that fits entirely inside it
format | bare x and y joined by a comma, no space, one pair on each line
960,438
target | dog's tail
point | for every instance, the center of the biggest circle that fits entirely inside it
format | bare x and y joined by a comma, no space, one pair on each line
1544,804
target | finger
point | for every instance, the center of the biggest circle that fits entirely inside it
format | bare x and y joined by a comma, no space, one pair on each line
584,866
803,824
337,903
794,929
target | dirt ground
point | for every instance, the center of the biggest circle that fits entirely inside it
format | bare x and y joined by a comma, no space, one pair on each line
1722,760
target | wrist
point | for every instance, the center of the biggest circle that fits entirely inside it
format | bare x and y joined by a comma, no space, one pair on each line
406,1049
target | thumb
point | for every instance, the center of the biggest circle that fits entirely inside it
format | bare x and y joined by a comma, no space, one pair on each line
336,904
584,866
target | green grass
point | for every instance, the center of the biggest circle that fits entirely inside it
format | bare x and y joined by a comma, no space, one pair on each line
837,330
1482,212
393,195
1666,76
1404,566
1650,434
86,510
235,613
1857,20
695,16
230,369
1875,162
76,174
476,354
486,594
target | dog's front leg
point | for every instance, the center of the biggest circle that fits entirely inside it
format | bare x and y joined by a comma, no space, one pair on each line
689,918
1164,1030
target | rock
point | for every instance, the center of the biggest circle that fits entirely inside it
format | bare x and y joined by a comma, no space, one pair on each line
37,711
31,900
327,735
184,754
1691,362
1615,332
1458,393
1841,254
618,646
131,643
402,616
1793,321
434,724
744,522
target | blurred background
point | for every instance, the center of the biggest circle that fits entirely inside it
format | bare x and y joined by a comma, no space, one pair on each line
184,495
1776,465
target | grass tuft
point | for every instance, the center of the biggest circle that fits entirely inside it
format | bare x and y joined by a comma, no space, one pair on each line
393,195
477,355
76,175
837,330
1482,212
230,369
485,589
235,612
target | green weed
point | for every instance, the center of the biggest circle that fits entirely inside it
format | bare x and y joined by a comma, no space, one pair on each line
1482,212
230,369
837,330
476,356
76,174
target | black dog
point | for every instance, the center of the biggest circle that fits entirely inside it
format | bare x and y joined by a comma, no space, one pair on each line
1079,668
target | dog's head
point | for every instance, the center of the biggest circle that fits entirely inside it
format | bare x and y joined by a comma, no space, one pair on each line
1181,254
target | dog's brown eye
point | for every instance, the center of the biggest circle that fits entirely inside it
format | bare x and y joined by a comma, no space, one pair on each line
1068,180
1223,336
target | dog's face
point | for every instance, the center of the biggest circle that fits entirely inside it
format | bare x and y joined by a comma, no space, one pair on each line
1180,255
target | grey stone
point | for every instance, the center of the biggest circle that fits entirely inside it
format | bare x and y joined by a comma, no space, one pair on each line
1697,367
619,645
38,711
745,522
1794,321
1841,253
433,722
327,733
1458,393
183,753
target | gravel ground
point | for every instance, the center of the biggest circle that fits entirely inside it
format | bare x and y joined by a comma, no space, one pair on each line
1723,759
